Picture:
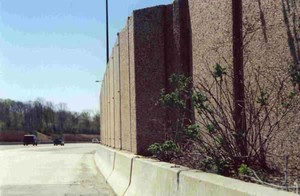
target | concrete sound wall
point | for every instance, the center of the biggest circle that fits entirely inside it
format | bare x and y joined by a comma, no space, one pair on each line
188,37
154,44
148,50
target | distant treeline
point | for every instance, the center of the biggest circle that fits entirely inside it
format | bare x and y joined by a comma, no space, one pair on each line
45,117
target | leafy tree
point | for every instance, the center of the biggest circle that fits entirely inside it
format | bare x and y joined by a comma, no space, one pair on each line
45,117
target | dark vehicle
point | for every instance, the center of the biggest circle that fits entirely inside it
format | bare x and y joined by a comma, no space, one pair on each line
58,141
29,139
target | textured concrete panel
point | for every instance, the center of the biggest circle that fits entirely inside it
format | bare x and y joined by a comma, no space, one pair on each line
181,36
275,44
271,36
101,113
107,107
100,104
125,93
112,101
117,95
132,82
149,74
103,117
171,54
211,34
177,49
105,110
271,48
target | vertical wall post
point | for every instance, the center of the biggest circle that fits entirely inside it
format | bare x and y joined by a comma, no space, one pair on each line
239,115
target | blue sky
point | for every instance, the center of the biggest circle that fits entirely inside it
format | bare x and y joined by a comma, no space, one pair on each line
55,49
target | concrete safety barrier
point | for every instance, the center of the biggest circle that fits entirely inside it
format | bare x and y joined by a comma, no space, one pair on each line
104,159
121,175
153,177
132,175
195,182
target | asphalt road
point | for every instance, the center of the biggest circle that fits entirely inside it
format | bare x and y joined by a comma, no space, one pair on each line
51,171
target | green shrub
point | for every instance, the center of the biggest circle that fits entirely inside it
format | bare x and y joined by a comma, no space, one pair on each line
263,97
172,99
165,151
218,71
244,169
193,131
294,74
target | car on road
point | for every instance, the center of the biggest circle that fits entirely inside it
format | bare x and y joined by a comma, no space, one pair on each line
30,139
58,141
95,140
